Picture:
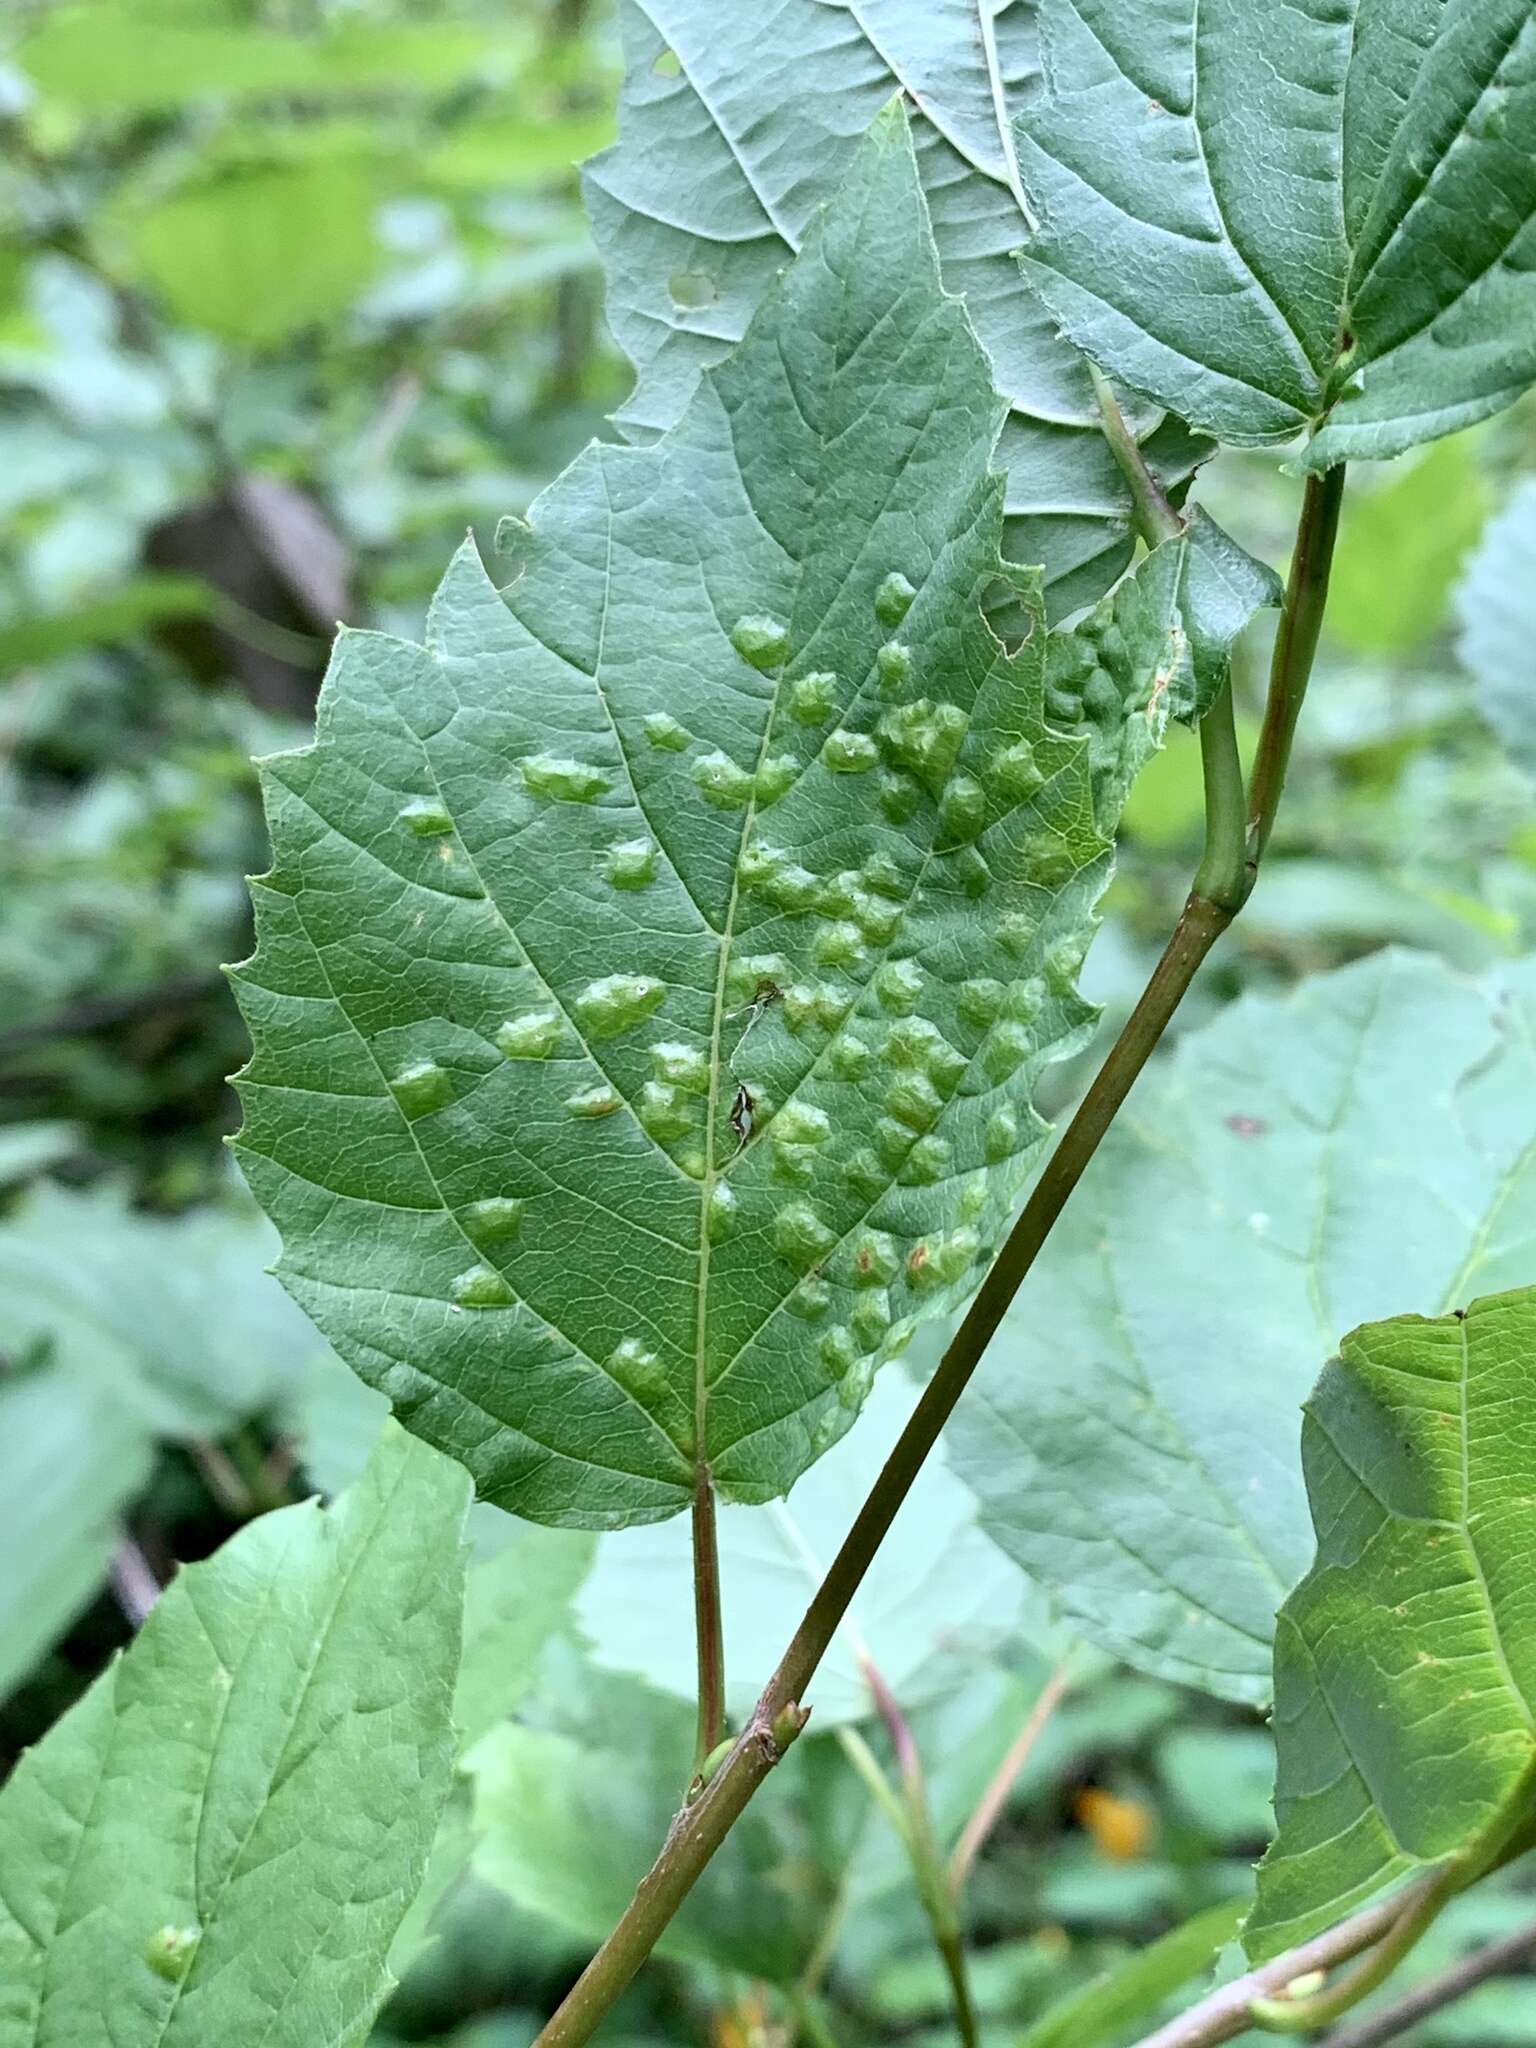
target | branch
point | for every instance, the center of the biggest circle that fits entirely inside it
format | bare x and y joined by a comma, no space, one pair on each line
700,1828
1496,1960
1227,2012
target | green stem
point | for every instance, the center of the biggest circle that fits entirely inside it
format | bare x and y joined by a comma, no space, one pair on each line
1301,620
700,1828
915,1827
1155,518
1300,2015
709,1622
1226,2012
1226,873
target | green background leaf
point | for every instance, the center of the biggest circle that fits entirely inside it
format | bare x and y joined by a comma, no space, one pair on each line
1405,1680
1270,218
740,729
71,1459
219,1840
1299,1164
937,1595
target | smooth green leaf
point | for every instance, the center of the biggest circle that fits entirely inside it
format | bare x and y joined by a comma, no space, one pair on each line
1104,2010
569,1815
1299,1164
1402,542
1405,1666
1284,219
71,1459
258,253
1497,608
218,1842
173,1316
737,123
733,789
937,1594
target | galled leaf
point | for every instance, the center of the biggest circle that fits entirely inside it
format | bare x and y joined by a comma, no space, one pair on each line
218,1842
1290,219
1405,1663
737,123
1300,1164
655,967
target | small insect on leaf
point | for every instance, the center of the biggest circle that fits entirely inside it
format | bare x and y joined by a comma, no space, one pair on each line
743,1109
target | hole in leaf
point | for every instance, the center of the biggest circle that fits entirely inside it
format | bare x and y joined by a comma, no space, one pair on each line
668,65
691,290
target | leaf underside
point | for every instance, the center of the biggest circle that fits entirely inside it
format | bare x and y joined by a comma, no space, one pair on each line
1405,1661
1283,219
738,123
218,1842
1497,607
733,790
1301,1164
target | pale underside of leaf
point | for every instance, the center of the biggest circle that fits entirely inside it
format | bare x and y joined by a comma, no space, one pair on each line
218,1842
655,967
938,1594
1405,1711
1497,608
1300,1164
1293,219
737,123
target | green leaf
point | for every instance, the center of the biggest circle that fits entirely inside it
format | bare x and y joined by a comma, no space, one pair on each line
737,124
609,1769
937,1594
1402,542
1132,1991
219,1840
173,1316
1420,1454
257,253
1293,219
1497,607
515,1601
71,1459
1294,1168
733,789
116,57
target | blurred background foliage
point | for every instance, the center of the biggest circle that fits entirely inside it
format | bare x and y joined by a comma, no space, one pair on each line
291,293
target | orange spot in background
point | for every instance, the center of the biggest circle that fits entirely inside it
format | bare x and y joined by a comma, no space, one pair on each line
1121,1828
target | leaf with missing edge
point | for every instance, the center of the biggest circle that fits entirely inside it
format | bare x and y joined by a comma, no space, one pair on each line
218,1841
1290,219
737,123
733,790
1405,1672
1301,1164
